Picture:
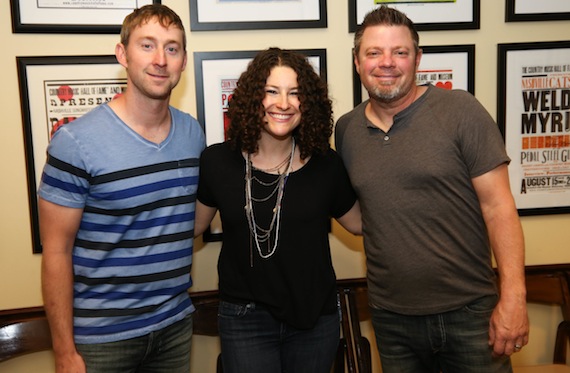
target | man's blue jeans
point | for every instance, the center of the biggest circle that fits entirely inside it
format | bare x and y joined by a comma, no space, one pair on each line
253,341
450,342
163,351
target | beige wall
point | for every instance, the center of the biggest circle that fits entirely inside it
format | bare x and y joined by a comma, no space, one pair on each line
546,236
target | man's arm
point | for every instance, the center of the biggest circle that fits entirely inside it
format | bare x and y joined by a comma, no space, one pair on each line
509,322
58,228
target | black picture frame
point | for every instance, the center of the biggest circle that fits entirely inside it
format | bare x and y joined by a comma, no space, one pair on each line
256,16
528,98
39,77
464,52
437,20
215,76
545,13
71,20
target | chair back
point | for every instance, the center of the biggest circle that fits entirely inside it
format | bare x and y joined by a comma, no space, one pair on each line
549,285
548,288
24,333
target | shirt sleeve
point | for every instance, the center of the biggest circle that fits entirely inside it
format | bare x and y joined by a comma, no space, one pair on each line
207,178
482,146
64,180
344,194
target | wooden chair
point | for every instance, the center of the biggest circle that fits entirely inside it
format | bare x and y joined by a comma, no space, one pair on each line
549,285
23,331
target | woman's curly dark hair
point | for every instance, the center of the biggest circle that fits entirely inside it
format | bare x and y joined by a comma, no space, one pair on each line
246,111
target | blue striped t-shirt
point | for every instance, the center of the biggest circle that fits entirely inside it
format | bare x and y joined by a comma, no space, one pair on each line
133,251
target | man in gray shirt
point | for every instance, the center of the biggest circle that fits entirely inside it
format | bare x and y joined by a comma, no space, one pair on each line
430,170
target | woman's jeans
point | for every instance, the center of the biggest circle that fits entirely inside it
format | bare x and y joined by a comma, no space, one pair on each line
162,351
450,342
253,341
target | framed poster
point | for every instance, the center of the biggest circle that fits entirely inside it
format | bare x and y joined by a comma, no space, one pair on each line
76,16
216,76
533,113
427,15
532,10
53,92
445,66
208,15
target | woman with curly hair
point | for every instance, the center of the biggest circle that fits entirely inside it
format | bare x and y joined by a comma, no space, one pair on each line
276,183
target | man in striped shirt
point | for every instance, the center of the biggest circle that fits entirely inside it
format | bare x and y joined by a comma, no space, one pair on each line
117,215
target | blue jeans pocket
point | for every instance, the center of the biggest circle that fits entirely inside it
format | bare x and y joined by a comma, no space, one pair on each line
234,310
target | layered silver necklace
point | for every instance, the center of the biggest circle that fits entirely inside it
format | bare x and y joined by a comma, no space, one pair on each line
262,236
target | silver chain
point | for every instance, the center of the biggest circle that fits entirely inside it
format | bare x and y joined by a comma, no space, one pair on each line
261,235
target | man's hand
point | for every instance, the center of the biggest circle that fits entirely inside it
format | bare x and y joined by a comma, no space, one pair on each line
70,363
508,329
